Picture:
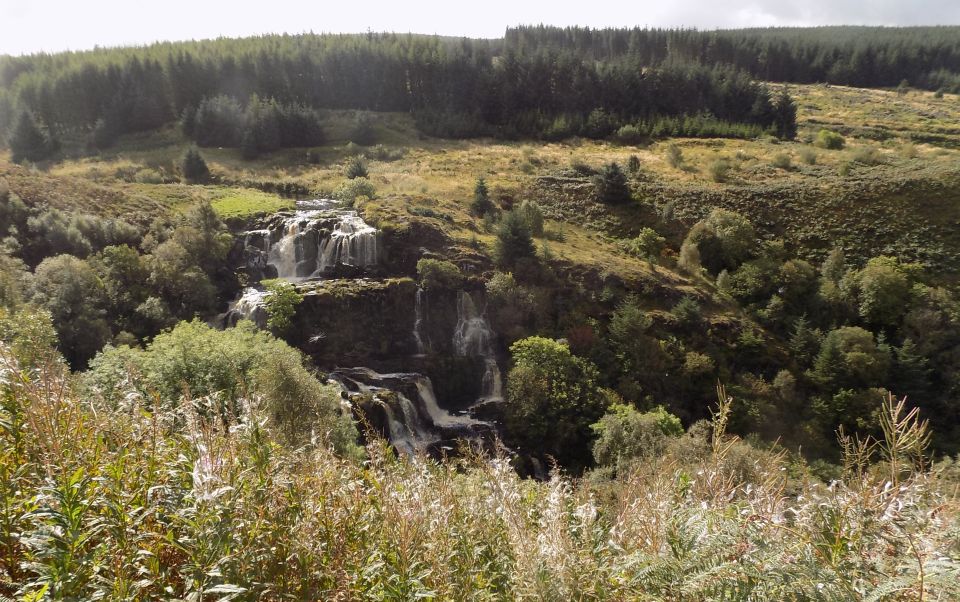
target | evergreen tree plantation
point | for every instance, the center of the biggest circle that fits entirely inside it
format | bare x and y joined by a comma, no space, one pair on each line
571,314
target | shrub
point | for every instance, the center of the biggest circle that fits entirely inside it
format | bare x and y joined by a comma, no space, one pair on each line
531,212
625,435
281,304
439,274
867,155
674,156
630,134
647,245
194,167
348,192
808,156
687,313
782,161
829,140
356,168
719,170
633,165
611,185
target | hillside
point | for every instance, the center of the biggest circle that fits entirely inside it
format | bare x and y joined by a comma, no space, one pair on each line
571,315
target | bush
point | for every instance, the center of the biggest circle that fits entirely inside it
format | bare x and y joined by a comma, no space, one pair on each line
687,313
356,168
348,192
867,155
719,170
829,140
782,161
674,156
281,304
647,245
625,435
808,156
633,165
611,185
533,215
439,274
630,134
194,167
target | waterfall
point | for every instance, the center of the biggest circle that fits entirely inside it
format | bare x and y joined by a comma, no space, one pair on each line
420,310
250,306
439,416
405,406
317,238
474,337
353,242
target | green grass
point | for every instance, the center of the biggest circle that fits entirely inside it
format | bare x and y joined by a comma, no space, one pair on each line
239,202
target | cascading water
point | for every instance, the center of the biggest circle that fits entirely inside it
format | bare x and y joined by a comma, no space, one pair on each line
410,413
250,306
474,337
318,238
420,311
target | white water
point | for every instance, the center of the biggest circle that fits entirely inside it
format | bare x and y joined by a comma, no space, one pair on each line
305,250
353,242
251,305
474,337
438,415
420,310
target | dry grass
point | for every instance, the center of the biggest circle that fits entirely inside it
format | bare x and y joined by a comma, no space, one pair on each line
122,503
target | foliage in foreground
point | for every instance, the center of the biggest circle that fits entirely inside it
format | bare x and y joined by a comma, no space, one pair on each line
129,503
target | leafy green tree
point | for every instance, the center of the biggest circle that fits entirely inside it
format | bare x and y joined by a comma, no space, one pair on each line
514,240
611,185
851,358
625,435
70,290
481,205
647,245
883,290
217,368
439,274
194,167
281,304
28,142
725,239
125,276
553,398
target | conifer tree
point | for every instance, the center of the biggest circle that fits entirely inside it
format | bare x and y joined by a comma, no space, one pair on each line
481,205
194,167
28,143
785,116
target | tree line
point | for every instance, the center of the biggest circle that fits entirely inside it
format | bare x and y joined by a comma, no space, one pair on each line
926,57
454,87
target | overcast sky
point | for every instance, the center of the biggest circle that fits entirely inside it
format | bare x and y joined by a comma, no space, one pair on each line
51,25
